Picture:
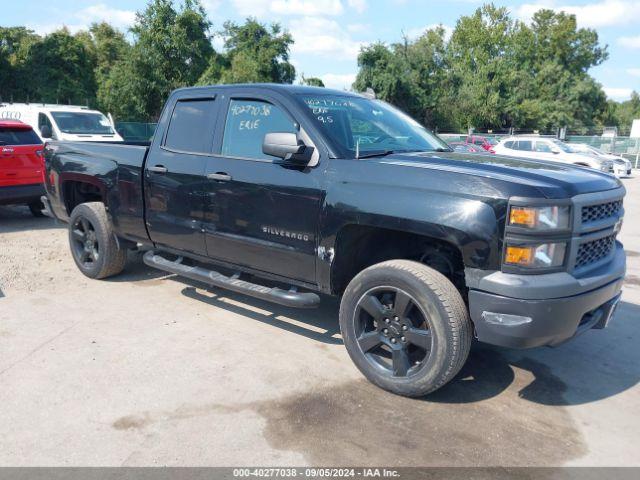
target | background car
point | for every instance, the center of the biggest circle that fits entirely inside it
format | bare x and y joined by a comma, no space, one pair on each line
21,166
72,123
540,148
465,147
621,166
486,143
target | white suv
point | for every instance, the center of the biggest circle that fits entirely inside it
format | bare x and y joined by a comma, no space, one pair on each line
621,166
538,148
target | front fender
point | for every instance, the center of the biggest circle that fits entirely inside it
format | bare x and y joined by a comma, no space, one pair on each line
471,225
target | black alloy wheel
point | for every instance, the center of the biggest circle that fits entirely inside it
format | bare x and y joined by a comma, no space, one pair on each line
85,245
392,331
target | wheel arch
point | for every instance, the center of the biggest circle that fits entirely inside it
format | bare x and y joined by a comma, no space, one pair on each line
360,246
78,188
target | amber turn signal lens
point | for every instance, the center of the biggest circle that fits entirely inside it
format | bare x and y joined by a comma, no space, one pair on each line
523,216
519,255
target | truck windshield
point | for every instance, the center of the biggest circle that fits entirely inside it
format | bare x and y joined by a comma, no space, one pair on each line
82,123
364,127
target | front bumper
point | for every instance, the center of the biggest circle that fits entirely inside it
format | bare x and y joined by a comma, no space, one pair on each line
21,194
558,305
621,171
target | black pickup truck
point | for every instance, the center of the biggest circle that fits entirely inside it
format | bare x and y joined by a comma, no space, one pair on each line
284,192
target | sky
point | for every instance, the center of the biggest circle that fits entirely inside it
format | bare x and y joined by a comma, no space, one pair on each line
329,33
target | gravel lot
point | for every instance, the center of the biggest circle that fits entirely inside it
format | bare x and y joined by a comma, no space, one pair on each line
149,369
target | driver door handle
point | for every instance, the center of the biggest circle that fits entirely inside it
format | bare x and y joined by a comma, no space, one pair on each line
158,169
220,177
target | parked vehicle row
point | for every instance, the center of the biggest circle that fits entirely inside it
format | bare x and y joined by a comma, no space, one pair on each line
540,148
464,147
483,142
333,192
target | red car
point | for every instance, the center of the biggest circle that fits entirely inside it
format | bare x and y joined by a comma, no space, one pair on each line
21,166
483,142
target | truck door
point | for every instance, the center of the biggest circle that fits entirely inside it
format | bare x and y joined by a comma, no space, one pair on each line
260,214
174,176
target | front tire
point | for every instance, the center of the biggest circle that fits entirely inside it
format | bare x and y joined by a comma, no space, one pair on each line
405,326
93,244
36,208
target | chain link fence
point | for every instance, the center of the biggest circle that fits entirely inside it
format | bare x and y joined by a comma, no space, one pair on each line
136,131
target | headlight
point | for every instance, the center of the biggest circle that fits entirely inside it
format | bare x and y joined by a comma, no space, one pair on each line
539,218
546,255
606,166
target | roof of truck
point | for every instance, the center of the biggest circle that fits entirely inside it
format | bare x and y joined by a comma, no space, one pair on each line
280,87
43,106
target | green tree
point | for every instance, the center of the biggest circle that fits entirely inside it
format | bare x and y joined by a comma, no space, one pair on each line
60,69
109,47
552,86
254,53
14,46
622,114
410,75
312,81
171,49
494,72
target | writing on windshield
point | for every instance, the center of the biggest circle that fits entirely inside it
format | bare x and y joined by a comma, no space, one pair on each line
361,126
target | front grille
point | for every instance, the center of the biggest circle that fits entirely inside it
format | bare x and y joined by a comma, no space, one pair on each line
593,213
595,250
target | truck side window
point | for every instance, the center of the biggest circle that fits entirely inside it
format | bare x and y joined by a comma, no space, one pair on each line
248,121
190,126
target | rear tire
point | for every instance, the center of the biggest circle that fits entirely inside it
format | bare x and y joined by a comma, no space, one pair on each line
93,244
405,327
36,209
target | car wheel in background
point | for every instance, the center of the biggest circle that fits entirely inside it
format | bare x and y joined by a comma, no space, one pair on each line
36,209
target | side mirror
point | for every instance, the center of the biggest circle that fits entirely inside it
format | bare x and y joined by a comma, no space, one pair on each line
45,131
287,147
555,150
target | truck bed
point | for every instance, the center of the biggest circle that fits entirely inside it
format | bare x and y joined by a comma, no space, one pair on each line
119,168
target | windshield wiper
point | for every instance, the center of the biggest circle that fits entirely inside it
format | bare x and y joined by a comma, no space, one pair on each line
381,153
384,153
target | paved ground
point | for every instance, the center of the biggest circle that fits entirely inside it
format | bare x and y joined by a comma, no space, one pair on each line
152,370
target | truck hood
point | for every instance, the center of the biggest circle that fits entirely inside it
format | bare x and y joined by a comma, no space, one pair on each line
554,180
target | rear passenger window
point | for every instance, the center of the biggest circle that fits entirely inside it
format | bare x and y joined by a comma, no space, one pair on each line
18,136
543,147
524,145
248,121
190,128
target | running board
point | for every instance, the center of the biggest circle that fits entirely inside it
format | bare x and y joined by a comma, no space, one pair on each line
290,298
